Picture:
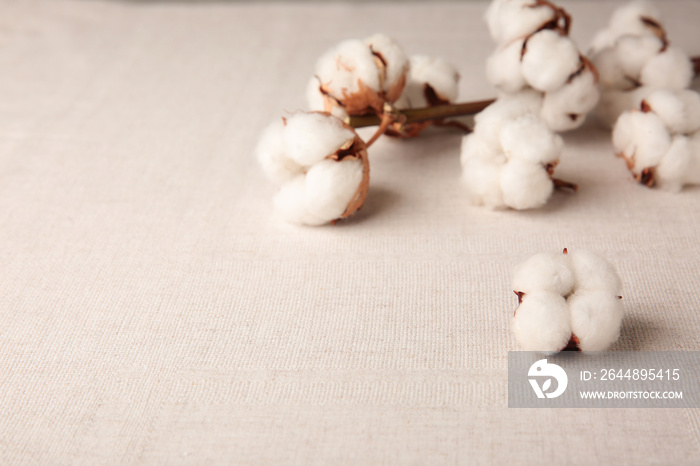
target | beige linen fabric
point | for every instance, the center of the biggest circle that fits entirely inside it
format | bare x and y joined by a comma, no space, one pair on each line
152,310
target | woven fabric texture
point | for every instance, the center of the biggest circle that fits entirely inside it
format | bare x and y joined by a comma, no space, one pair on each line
153,310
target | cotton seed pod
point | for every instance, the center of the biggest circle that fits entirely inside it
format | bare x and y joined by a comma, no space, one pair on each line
567,301
567,107
503,68
360,76
634,18
671,69
320,164
660,142
431,81
509,159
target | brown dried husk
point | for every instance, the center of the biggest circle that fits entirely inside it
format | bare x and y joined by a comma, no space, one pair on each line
359,151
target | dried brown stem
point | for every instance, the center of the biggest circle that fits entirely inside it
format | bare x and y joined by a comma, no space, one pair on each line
696,65
416,115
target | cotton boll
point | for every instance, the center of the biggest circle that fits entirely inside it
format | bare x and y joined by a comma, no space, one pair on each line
544,272
593,273
541,322
528,138
633,52
311,137
525,185
567,107
670,69
342,68
271,154
678,109
641,138
671,172
395,60
549,60
596,317
512,19
331,185
503,67
440,75
490,120
290,203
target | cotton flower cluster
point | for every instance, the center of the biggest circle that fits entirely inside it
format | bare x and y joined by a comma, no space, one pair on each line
320,164
661,141
567,301
534,51
634,57
509,158
357,77
375,76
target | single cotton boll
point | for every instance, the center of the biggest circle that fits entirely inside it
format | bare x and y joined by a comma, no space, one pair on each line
613,103
528,138
541,322
633,52
525,185
310,137
436,72
393,57
512,19
671,172
566,108
331,185
271,154
503,67
544,272
341,68
642,138
678,109
593,273
596,318
489,121
290,203
610,71
549,60
671,69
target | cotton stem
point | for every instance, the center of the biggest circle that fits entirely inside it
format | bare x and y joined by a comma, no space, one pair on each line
417,115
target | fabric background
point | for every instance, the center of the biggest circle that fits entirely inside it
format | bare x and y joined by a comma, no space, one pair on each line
153,310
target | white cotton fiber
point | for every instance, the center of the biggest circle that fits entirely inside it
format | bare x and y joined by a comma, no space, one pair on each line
678,109
512,19
673,169
482,178
311,137
541,322
331,185
290,203
528,138
503,67
671,69
626,20
525,185
633,52
343,67
434,71
596,317
549,60
392,55
491,119
593,273
271,154
550,272
566,108
610,72
641,137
